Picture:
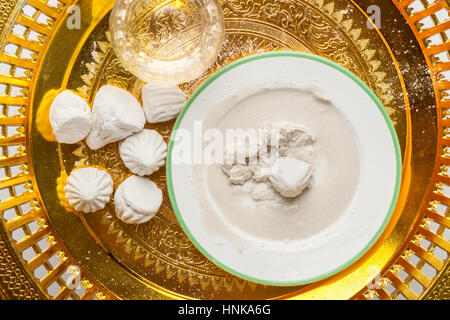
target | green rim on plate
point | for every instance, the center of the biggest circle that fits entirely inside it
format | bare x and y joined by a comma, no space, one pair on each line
302,56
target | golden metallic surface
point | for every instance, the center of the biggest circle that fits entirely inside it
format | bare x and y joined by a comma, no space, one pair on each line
156,260
42,117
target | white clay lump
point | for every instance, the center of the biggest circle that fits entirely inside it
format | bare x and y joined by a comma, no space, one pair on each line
280,162
137,200
88,189
116,115
144,153
70,117
162,103
239,174
290,177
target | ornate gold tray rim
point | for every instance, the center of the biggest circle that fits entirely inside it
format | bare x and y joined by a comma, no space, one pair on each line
24,279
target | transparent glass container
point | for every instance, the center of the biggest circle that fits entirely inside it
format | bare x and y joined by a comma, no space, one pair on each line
167,42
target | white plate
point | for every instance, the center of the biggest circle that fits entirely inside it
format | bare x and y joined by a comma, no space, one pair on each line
340,245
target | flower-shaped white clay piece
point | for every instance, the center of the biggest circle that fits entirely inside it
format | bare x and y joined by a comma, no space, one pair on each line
88,189
137,200
162,103
116,115
144,153
70,117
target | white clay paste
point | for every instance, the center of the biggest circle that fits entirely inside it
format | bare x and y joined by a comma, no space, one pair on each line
290,177
272,205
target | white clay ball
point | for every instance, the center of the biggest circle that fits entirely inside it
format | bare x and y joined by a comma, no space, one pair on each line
290,177
70,117
137,200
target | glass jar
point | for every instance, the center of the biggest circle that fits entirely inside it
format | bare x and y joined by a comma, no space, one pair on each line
167,42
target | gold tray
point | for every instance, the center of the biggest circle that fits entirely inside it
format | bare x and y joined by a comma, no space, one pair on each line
42,245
